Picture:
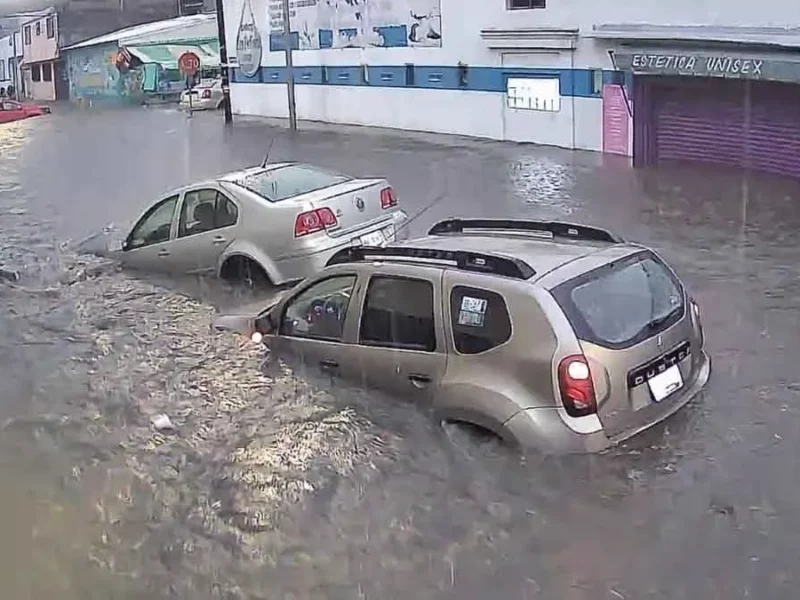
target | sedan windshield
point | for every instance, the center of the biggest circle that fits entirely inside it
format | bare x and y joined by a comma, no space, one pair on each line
290,181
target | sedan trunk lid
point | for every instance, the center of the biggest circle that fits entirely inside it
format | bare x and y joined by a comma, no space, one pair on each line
356,204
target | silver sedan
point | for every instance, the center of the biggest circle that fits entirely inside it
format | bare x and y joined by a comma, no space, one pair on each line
272,224
205,96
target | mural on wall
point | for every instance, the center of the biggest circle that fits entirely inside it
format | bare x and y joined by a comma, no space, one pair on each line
321,24
92,72
95,72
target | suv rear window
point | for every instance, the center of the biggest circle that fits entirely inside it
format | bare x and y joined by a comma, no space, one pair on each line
290,181
479,319
622,303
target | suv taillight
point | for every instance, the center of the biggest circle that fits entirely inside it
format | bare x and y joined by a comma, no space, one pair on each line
314,221
388,198
206,94
577,389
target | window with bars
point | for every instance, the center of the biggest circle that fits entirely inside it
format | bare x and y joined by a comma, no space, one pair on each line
528,93
525,4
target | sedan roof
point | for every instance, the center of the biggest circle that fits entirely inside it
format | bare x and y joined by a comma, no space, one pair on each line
235,176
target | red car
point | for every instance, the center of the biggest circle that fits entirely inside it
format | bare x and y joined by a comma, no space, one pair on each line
11,110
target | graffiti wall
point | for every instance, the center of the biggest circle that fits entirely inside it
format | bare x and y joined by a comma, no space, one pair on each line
93,73
321,24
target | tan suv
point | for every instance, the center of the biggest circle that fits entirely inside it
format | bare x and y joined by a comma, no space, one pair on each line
556,336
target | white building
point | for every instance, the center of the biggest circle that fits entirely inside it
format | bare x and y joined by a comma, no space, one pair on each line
10,59
714,81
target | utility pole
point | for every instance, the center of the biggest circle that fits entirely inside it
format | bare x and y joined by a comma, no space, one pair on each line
223,59
287,34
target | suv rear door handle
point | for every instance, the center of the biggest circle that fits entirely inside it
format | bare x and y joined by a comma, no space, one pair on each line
164,252
419,379
328,365
218,240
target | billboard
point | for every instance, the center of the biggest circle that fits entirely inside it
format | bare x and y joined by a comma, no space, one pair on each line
322,24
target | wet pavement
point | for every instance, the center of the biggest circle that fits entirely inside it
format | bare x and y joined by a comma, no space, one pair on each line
278,486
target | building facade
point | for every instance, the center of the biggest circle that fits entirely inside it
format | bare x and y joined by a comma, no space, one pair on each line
10,60
45,73
40,57
650,80
140,64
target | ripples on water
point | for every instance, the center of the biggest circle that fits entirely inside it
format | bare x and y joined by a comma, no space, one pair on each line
276,483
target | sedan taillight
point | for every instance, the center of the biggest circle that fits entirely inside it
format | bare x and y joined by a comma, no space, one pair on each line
577,389
388,198
313,221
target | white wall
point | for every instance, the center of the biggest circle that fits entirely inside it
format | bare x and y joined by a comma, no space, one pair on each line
462,21
6,52
577,125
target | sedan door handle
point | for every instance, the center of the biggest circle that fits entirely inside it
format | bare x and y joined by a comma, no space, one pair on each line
328,365
419,379
163,252
219,240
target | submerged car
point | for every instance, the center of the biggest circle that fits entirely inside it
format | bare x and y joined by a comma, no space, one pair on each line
556,336
207,95
11,110
270,225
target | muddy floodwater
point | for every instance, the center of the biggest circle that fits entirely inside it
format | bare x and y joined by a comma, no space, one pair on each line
276,484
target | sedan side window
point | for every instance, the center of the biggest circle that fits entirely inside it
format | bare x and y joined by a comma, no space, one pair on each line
226,212
154,227
197,212
398,313
319,312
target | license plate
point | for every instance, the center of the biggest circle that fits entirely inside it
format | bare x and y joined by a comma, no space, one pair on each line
373,239
389,233
666,383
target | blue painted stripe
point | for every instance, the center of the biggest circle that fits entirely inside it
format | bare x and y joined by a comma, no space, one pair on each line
574,82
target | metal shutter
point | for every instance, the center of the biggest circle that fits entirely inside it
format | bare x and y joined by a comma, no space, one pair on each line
774,140
718,121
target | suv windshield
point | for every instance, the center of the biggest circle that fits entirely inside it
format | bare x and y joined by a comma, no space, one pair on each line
623,303
289,181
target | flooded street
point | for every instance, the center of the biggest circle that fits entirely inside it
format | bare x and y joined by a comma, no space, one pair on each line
275,485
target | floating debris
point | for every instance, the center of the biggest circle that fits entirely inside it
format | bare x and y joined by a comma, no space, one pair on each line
255,443
162,423
8,275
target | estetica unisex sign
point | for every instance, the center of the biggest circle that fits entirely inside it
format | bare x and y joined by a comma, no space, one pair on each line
717,65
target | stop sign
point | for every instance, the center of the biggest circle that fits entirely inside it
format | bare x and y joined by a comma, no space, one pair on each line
189,63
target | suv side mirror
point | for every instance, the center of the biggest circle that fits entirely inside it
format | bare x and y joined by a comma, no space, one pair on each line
264,324
244,324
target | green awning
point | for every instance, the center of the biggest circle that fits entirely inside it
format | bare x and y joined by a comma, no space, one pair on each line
167,55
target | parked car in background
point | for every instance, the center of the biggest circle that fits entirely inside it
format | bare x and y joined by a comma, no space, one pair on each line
556,336
11,110
207,95
270,224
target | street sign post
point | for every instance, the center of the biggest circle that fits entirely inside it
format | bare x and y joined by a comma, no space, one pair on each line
189,64
224,63
287,46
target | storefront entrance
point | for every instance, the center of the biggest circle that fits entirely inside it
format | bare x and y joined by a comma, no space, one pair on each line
738,123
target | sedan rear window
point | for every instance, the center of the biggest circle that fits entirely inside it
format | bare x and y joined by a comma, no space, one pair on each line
622,303
290,181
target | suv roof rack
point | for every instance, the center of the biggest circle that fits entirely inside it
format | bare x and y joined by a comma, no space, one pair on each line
465,261
556,228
